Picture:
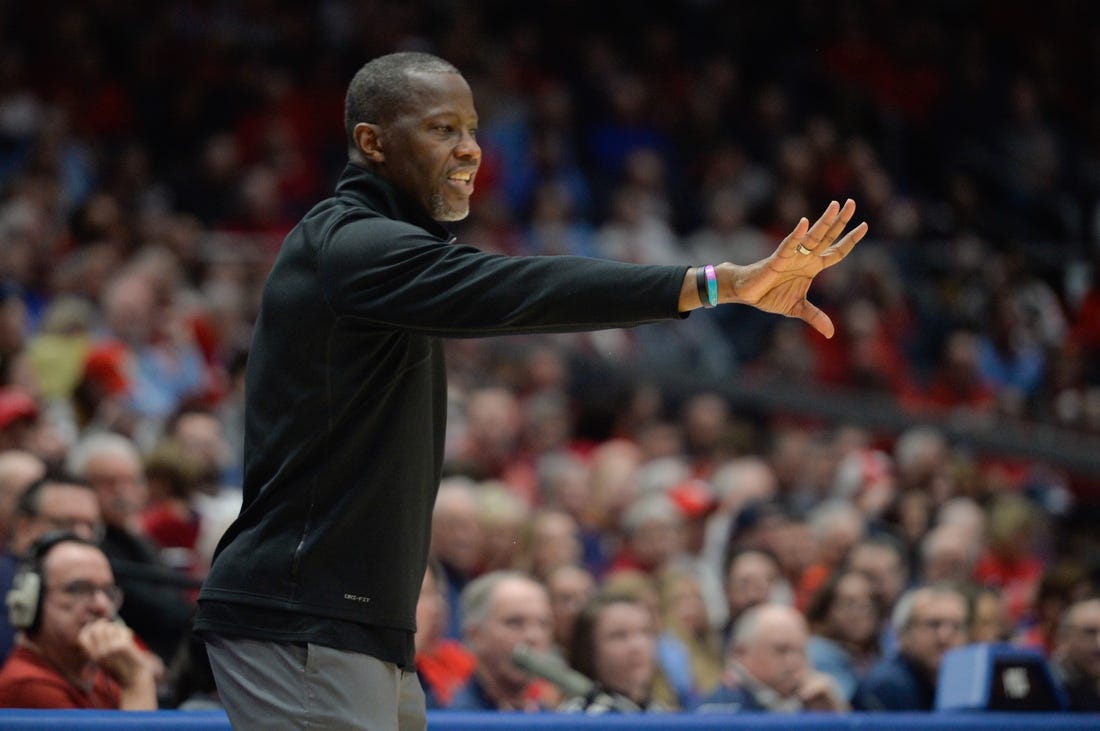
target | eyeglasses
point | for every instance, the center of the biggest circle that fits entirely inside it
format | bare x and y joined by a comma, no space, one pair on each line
90,530
848,602
85,591
1091,632
937,625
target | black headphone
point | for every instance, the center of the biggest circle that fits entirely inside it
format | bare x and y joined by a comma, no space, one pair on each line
24,599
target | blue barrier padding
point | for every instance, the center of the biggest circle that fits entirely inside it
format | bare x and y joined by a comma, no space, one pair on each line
20,720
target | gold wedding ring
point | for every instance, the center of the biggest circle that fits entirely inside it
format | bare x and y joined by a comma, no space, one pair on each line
803,250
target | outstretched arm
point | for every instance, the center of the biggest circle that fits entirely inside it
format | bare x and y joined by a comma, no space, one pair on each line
780,282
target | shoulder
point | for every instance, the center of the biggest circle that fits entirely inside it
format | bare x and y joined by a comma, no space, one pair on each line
821,648
893,667
26,682
889,685
726,699
359,236
470,697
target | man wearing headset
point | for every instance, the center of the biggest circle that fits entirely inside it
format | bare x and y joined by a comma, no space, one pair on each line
71,652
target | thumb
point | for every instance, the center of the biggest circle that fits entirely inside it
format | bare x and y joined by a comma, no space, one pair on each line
816,319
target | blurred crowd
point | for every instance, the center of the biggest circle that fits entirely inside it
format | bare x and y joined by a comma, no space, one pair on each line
152,157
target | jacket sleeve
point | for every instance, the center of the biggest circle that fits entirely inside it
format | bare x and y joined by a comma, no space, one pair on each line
397,275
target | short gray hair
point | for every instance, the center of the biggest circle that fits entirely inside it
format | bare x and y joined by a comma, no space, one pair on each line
96,444
657,508
379,91
478,595
902,616
747,626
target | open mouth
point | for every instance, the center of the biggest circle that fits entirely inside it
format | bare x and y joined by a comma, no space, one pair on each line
462,179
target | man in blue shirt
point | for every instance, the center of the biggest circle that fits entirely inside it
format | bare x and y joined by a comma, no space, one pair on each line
929,621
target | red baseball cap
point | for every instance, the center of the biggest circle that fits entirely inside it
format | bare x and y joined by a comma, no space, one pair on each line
694,498
15,404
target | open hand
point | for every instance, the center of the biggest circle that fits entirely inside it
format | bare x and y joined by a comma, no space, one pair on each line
780,282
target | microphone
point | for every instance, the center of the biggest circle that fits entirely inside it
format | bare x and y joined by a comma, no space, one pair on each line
553,669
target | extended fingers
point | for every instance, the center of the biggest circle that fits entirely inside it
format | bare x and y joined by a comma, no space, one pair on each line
840,249
820,230
839,222
798,234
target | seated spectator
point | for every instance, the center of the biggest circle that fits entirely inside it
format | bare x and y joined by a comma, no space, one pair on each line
654,531
500,610
19,414
443,664
686,627
553,541
17,470
1063,583
752,578
615,645
70,653
169,519
1076,657
837,525
988,616
1012,561
216,500
503,516
146,362
457,542
159,612
948,553
767,667
883,559
673,659
844,620
929,621
569,587
49,503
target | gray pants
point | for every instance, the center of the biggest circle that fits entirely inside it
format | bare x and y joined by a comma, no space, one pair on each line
270,685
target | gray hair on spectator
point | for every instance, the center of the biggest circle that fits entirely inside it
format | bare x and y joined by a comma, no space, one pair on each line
649,509
452,490
902,616
97,444
746,628
744,477
659,475
916,443
832,512
478,595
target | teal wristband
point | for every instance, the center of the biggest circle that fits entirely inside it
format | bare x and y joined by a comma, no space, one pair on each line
712,286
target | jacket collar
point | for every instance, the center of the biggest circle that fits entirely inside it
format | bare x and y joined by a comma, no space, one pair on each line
376,193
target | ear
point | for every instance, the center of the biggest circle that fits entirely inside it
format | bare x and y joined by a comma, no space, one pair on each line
368,138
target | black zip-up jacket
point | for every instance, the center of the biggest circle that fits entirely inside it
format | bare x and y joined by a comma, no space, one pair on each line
346,398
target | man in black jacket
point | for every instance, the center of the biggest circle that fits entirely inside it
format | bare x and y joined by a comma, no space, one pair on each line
309,605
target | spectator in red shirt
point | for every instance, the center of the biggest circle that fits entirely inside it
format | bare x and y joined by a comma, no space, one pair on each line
70,651
443,664
1010,563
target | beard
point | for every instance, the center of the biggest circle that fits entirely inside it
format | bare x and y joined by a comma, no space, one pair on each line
442,212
